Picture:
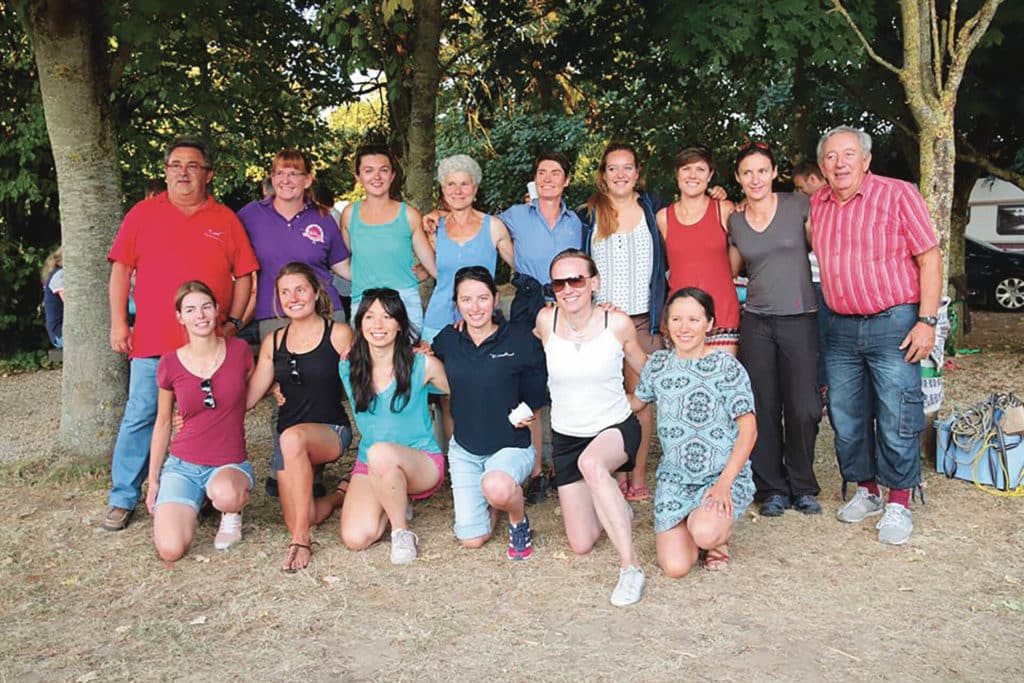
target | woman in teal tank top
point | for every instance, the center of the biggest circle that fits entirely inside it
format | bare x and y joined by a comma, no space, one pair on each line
384,234
398,456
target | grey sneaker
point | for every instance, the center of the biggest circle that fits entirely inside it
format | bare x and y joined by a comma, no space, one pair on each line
403,546
230,531
896,525
630,587
860,507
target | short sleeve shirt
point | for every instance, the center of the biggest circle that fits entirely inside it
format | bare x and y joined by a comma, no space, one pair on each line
535,243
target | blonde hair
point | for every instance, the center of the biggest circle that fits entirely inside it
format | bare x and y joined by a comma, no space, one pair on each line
54,261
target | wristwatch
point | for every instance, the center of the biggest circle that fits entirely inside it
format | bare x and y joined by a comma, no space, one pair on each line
236,322
930,320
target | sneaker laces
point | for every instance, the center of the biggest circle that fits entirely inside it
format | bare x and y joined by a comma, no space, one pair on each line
519,534
893,515
405,539
230,522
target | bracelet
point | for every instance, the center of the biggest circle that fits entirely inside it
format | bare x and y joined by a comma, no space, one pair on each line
236,322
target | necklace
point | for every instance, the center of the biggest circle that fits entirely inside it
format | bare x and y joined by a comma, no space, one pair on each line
579,331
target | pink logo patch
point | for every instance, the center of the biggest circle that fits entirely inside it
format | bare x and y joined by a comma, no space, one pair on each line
314,233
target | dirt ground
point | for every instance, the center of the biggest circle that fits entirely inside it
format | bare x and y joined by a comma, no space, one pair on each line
805,599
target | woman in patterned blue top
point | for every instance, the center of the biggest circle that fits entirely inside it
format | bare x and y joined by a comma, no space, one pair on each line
707,429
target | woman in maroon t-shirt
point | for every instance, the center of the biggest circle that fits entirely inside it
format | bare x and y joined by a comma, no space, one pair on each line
206,378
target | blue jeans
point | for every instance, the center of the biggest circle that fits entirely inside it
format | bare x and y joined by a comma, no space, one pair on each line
875,399
472,518
130,463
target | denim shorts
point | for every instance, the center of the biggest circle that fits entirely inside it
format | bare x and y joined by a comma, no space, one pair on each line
185,483
472,519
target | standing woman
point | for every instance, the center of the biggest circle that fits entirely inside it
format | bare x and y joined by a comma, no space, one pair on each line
706,426
493,367
398,456
594,430
312,424
779,334
383,234
207,379
695,233
620,232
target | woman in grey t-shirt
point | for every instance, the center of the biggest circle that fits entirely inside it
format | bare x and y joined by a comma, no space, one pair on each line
778,334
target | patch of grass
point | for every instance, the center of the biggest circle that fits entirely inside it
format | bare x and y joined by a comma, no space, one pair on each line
49,471
24,361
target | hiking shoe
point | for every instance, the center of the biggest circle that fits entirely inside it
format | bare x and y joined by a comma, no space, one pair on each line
520,540
807,504
117,519
538,489
774,506
630,587
860,507
403,546
230,531
896,525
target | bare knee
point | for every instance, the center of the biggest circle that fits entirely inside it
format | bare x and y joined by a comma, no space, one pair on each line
170,550
381,459
357,539
677,567
590,468
706,534
580,546
498,488
474,543
293,443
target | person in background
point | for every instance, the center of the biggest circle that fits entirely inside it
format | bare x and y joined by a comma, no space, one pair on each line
707,429
183,234
807,179
881,274
53,297
206,380
778,333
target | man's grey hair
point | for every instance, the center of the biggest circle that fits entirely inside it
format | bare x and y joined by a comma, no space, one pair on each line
194,143
459,163
862,137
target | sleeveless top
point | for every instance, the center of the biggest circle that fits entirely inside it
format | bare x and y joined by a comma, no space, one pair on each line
382,253
410,427
315,394
698,256
585,382
478,251
625,263
776,257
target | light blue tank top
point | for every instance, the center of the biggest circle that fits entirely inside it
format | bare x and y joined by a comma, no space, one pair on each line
451,256
382,253
410,427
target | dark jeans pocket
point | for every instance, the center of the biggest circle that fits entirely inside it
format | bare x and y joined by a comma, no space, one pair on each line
911,413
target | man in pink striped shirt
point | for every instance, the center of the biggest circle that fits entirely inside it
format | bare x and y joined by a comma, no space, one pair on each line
881,274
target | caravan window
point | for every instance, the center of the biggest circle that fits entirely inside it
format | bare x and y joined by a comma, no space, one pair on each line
1010,219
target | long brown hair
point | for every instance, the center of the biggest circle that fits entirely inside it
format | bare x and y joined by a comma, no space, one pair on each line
599,205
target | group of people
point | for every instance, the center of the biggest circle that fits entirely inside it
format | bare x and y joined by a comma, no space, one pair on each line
628,301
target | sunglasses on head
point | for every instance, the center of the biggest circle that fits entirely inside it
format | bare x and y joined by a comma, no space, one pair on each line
206,386
293,370
753,145
576,282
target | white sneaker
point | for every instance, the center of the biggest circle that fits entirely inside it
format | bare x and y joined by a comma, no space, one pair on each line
896,525
230,531
630,587
860,507
403,546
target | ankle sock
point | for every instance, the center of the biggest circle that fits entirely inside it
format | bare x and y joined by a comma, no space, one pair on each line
871,486
900,496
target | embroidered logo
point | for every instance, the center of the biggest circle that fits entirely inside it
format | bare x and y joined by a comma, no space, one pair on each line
314,233
213,234
507,354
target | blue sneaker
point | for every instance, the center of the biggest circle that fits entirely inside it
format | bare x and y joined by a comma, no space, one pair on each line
520,540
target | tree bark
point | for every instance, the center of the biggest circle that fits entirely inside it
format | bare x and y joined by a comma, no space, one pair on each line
69,41
426,78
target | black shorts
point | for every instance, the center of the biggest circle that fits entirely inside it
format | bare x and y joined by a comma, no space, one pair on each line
566,450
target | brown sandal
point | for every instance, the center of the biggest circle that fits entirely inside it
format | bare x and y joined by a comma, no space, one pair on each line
717,559
293,551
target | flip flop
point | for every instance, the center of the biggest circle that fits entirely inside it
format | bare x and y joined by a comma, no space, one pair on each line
293,550
624,487
716,559
638,492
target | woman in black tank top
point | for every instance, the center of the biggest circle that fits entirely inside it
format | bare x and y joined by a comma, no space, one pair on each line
314,429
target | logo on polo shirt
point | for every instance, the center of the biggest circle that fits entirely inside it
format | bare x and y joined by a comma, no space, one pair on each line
507,354
314,233
213,234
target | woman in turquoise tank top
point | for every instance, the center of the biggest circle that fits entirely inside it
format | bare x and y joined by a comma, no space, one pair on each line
384,235
398,456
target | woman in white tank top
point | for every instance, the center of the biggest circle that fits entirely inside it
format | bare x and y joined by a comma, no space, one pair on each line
594,430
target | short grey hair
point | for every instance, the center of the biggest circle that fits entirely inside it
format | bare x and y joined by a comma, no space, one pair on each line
459,163
862,137
194,143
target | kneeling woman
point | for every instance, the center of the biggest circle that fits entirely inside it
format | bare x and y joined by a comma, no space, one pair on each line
312,424
206,377
398,456
594,431
492,368
707,429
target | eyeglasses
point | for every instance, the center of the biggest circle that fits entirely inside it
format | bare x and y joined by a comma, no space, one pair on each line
754,145
207,388
191,167
576,282
293,369
290,175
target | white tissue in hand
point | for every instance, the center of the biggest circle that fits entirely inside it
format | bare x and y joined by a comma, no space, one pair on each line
519,413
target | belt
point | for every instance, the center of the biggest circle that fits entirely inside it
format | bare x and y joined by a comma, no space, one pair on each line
868,316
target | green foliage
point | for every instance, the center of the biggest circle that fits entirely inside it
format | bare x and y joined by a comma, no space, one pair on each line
21,322
24,361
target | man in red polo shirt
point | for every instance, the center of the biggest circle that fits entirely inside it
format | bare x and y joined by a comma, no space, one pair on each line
178,235
881,274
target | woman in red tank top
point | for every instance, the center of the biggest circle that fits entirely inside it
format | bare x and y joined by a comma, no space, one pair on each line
696,243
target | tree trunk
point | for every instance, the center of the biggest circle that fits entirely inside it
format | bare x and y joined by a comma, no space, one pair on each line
423,110
69,42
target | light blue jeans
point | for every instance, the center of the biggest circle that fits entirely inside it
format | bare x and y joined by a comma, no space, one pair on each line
467,471
130,463
875,401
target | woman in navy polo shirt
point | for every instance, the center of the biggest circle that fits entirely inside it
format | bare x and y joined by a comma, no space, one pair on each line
492,368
